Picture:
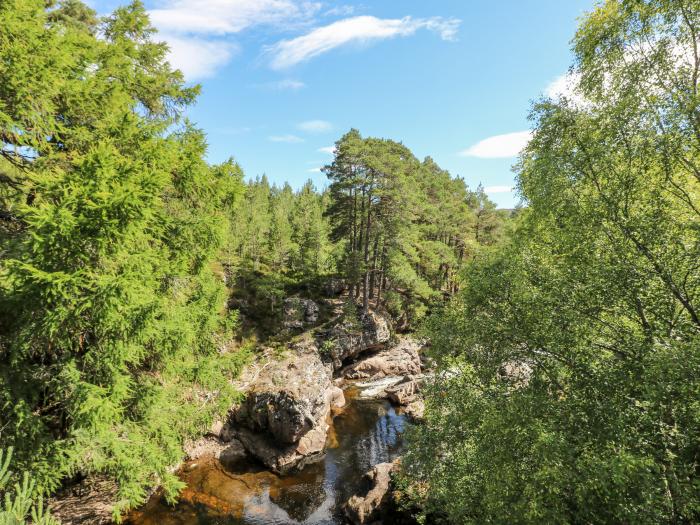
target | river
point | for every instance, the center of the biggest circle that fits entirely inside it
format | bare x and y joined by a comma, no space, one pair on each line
367,432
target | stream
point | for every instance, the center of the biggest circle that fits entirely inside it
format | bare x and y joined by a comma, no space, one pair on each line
367,432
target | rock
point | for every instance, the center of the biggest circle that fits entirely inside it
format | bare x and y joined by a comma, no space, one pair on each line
399,360
377,388
284,459
406,391
228,452
334,286
336,398
350,339
284,419
415,410
288,397
365,508
299,312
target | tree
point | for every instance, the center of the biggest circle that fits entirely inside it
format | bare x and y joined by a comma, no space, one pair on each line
571,353
404,225
111,301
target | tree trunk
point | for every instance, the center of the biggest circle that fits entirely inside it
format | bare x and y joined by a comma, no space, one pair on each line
372,277
365,287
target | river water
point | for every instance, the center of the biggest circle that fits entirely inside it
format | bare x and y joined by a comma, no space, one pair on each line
367,432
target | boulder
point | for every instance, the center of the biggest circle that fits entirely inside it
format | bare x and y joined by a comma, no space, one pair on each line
406,391
299,312
348,339
366,507
415,410
284,419
288,397
336,398
399,360
283,459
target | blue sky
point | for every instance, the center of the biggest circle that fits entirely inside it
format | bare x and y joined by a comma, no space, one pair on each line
283,79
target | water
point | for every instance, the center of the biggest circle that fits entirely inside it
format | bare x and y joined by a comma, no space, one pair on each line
367,432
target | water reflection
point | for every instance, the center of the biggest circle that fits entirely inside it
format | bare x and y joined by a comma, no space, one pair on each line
366,433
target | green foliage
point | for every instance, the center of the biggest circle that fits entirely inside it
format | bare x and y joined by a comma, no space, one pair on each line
280,246
404,227
568,387
112,295
19,502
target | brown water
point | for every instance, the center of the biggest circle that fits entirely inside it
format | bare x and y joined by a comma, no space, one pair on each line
364,434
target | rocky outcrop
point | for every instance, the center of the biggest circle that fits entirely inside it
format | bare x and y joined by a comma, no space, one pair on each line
406,391
399,360
299,312
229,452
347,339
284,419
366,507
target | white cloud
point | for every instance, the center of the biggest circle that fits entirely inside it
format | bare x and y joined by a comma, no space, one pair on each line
359,29
498,189
198,31
290,139
315,126
222,17
314,170
196,57
286,84
343,10
499,146
564,86
327,149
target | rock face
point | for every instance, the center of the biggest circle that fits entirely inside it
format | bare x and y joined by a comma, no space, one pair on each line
406,391
283,421
400,360
365,508
348,340
299,313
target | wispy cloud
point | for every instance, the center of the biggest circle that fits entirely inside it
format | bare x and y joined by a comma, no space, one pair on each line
199,31
289,139
286,84
499,146
222,17
314,170
359,29
327,149
342,10
498,189
315,126
233,130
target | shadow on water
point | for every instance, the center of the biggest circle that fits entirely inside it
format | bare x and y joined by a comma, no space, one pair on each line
364,434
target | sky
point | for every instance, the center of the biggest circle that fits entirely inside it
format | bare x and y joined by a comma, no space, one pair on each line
282,80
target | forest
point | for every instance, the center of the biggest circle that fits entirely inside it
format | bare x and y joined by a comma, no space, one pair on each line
137,280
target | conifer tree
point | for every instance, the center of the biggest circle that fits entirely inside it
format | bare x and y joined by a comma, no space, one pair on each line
110,299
